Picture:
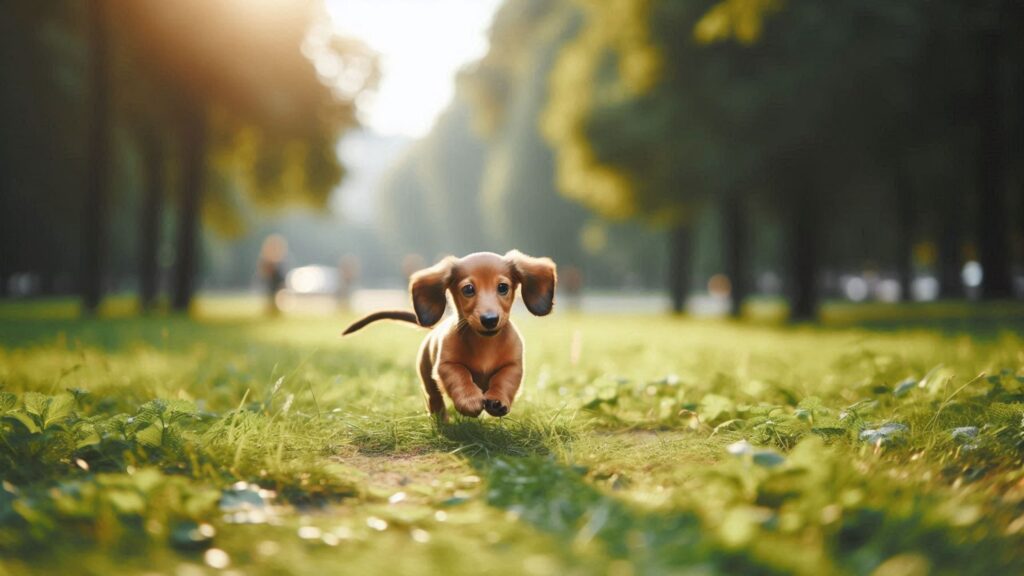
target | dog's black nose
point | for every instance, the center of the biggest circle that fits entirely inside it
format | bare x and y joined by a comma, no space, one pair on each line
489,320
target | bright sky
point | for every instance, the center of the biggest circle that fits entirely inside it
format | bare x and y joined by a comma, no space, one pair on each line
422,44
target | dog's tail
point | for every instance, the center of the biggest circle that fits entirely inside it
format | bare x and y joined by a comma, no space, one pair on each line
383,315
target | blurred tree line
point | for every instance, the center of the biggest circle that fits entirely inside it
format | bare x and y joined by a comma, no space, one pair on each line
121,118
648,143
795,135
862,128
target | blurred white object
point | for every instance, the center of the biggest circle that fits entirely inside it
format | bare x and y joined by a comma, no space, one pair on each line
312,280
972,274
855,288
925,288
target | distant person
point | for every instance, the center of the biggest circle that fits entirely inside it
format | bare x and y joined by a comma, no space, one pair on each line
348,275
720,286
572,280
271,264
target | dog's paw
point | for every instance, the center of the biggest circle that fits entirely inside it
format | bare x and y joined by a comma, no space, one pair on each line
495,407
472,406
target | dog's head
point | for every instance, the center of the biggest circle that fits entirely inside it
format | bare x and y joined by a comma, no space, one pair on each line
483,287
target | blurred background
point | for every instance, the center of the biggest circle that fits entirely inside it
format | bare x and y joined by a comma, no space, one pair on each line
715,156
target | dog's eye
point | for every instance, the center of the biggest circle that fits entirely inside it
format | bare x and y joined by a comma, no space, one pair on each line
503,289
468,291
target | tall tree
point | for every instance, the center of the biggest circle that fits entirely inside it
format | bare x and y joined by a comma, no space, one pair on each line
273,121
405,213
518,182
195,146
450,166
903,195
255,109
150,219
97,193
653,125
992,224
44,97
737,260
625,145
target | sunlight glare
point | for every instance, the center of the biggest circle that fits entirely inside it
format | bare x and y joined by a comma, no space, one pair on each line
422,44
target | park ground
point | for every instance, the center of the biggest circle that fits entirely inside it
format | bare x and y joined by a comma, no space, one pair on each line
640,444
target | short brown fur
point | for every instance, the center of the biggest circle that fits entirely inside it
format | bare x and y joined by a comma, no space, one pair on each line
479,367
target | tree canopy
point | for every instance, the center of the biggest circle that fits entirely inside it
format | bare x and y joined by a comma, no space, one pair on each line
659,107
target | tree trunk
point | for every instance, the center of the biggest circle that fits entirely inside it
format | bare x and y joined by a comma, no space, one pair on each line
47,281
734,226
904,198
6,239
193,180
949,247
152,202
679,266
1018,291
805,231
1016,94
992,226
94,224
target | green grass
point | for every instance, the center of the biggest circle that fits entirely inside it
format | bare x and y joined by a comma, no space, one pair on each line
121,439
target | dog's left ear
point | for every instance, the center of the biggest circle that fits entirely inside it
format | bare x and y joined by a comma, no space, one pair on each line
538,278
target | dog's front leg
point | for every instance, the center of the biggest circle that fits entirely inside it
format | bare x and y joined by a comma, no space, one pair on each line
502,390
458,383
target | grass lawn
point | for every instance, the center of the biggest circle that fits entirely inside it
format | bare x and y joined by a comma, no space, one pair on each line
639,445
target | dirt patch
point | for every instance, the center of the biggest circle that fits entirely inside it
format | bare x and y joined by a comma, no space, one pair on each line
389,471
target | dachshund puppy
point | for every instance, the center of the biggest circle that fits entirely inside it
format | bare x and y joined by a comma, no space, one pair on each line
476,355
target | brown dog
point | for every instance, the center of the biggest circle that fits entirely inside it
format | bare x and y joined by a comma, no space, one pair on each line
475,356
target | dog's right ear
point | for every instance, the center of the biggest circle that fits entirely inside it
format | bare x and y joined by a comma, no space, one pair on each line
428,287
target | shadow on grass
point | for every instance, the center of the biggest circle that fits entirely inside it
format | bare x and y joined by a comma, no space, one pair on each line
978,328
982,320
528,435
172,332
557,499
949,318
520,459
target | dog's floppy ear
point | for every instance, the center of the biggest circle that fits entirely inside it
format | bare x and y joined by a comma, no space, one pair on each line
428,288
538,278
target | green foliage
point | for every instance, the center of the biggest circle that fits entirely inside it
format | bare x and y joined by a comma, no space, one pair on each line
46,436
822,116
122,509
646,122
265,151
273,119
484,177
42,85
739,19
40,434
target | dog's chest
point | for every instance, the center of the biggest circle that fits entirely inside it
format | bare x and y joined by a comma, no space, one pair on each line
483,357
484,361
482,366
